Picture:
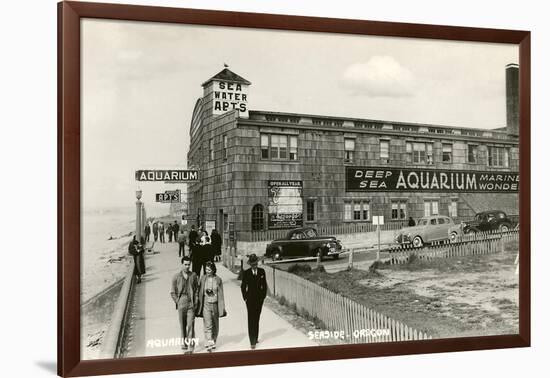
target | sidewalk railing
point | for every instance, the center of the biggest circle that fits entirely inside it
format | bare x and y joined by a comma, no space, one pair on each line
469,245
350,321
113,343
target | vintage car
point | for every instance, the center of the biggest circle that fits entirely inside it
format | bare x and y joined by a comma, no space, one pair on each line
427,230
303,242
492,220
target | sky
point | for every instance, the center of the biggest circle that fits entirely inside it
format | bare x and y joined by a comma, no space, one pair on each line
140,82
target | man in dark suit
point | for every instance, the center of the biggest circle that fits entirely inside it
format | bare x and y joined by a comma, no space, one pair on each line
254,290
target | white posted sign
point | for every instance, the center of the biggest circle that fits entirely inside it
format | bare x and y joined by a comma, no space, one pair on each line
378,220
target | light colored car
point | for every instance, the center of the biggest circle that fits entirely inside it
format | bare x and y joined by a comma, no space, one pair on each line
427,230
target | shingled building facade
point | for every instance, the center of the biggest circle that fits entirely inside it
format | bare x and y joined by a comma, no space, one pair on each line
261,170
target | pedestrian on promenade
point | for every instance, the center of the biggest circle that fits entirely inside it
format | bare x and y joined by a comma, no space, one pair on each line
412,223
182,240
211,304
184,292
197,258
193,235
156,231
161,232
216,244
254,290
147,232
193,244
175,230
137,251
207,252
169,231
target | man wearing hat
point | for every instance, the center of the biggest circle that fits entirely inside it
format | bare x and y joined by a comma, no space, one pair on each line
254,290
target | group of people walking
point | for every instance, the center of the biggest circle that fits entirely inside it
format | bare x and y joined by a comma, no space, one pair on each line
204,297
197,290
158,229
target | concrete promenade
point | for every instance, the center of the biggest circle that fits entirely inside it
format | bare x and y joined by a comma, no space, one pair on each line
154,317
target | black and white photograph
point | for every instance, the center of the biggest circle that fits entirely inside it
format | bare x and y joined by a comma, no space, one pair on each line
250,189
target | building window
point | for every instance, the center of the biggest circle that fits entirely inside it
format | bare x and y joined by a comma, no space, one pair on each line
384,150
420,153
293,151
366,210
398,209
279,146
453,208
498,156
264,143
472,153
431,207
276,147
447,153
347,211
224,153
357,210
349,147
310,210
257,218
211,149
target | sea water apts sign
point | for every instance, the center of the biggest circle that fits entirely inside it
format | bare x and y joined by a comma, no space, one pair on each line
229,96
169,175
382,179
169,196
285,208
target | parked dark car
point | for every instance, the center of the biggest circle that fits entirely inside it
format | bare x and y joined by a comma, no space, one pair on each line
303,242
494,220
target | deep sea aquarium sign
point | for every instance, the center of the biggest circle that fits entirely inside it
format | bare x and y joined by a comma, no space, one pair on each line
382,179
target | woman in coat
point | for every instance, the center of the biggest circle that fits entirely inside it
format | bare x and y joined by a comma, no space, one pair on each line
211,304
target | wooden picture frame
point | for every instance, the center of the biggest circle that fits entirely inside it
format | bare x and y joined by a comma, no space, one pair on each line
70,15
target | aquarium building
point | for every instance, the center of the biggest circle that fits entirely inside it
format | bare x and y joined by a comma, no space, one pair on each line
263,170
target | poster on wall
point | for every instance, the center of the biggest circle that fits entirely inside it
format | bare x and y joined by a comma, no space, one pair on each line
285,209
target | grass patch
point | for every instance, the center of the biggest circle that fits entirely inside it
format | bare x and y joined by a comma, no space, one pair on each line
431,313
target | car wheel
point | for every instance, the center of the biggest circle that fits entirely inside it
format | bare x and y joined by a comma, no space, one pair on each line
504,228
453,237
417,242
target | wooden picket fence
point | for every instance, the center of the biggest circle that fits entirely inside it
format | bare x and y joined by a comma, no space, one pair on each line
355,322
468,245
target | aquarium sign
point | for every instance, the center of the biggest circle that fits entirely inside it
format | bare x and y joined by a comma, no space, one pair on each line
168,175
383,179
